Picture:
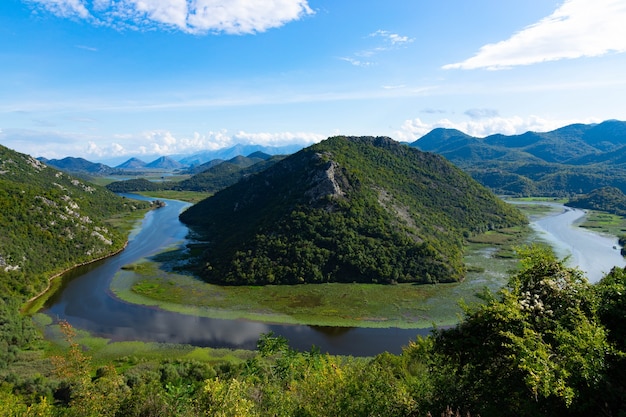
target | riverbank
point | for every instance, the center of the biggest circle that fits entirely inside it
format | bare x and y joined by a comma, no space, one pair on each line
126,224
36,302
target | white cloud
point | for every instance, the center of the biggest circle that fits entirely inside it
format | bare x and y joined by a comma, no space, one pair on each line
277,139
414,129
391,38
191,16
578,28
63,8
390,41
56,145
357,62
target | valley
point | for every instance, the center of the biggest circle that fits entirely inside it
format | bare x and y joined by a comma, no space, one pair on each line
150,308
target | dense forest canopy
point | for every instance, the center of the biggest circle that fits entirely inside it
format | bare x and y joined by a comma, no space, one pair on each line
347,209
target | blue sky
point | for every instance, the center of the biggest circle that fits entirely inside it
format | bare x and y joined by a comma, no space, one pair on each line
113,78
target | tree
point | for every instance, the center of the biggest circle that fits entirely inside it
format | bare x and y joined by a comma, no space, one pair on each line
535,348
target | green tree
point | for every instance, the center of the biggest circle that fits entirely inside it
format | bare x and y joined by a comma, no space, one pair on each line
535,348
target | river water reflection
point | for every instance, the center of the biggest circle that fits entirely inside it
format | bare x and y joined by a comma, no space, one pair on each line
86,302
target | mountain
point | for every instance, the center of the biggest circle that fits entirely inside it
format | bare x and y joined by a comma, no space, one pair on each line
202,157
238,160
196,169
570,160
226,173
78,165
50,221
132,164
165,162
609,199
349,209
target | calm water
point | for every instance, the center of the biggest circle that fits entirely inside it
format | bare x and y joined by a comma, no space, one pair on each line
593,253
86,302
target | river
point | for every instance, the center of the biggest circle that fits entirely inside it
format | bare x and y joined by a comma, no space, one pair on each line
86,302
593,253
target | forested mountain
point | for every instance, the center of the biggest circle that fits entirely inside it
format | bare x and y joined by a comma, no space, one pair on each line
237,161
226,173
347,209
78,166
50,221
571,160
609,199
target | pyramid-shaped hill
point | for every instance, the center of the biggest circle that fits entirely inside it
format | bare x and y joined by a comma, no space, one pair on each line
164,162
132,163
349,209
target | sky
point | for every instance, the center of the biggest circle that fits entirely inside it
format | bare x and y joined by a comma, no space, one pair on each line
105,79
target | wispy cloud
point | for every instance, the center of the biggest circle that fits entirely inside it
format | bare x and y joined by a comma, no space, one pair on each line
63,8
357,62
481,113
87,48
390,38
390,41
198,17
578,28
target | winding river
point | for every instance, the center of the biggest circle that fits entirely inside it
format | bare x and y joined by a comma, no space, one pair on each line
86,302
595,254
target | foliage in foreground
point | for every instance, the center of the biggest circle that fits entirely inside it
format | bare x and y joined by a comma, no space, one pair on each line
549,343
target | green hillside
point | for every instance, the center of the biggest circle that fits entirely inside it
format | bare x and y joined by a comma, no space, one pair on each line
571,160
226,173
50,221
609,199
349,209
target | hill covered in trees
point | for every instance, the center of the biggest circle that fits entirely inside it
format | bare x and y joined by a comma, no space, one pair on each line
50,221
609,199
348,209
574,159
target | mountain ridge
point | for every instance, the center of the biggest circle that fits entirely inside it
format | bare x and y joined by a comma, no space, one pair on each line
573,159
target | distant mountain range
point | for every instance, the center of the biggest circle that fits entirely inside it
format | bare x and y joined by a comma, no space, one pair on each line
194,164
347,209
574,159
200,158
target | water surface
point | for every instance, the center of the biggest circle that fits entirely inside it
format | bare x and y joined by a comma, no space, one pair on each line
593,253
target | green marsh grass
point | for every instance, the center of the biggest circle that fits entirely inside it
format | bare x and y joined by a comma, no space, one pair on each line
490,258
